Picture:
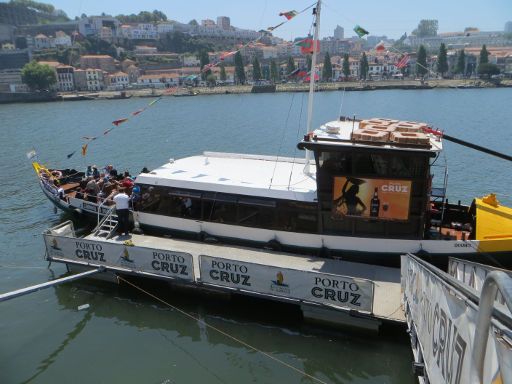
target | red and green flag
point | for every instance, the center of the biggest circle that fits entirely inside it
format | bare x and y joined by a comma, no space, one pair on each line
307,46
289,15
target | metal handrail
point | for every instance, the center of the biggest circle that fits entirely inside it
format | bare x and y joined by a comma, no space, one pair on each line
107,216
494,281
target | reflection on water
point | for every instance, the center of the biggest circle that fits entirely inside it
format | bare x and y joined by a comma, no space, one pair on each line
127,337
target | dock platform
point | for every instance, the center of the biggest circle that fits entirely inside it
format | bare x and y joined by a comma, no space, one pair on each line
320,286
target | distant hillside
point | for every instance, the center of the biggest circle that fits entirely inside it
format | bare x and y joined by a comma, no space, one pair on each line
20,12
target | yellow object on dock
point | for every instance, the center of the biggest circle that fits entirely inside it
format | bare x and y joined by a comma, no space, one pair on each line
493,224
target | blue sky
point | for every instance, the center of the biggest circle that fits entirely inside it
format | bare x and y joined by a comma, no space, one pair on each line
391,18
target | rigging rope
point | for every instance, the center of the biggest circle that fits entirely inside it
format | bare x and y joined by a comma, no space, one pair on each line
223,333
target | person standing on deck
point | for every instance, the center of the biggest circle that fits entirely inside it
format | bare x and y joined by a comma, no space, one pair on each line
122,209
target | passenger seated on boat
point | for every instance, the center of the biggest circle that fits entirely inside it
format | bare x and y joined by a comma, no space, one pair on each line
186,206
92,189
95,172
111,171
60,190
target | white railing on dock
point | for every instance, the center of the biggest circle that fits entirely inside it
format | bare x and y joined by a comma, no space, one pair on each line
457,335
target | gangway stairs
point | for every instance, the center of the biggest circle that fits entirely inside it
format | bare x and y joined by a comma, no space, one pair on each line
460,323
107,227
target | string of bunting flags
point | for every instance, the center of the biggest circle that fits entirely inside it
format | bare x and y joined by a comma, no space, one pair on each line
116,123
288,15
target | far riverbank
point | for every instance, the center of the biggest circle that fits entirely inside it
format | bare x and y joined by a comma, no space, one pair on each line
238,89
302,87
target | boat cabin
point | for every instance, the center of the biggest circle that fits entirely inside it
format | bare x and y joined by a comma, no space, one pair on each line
368,181
373,177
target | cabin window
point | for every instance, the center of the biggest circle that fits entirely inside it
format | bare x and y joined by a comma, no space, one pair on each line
219,208
298,217
253,212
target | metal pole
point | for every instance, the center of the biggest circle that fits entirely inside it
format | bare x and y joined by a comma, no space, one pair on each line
48,284
494,281
312,80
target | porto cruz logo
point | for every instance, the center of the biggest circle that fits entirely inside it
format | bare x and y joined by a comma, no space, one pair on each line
278,285
55,245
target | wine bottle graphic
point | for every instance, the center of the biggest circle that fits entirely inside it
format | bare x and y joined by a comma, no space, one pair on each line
375,204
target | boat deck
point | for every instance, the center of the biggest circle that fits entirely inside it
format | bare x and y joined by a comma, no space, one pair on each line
387,293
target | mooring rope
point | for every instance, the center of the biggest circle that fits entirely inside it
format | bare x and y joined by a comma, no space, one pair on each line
222,332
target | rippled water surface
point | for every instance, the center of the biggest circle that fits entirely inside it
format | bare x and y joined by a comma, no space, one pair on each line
125,336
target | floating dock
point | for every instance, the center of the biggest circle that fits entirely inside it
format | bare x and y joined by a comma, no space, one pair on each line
327,290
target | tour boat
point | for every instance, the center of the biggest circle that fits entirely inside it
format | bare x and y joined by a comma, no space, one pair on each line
363,193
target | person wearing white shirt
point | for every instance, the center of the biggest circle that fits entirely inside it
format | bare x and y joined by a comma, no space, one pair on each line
123,210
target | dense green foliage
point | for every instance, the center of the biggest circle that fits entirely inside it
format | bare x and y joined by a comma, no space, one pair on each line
178,42
239,69
18,12
488,69
274,73
256,69
204,60
442,60
461,62
327,70
421,62
363,67
143,17
426,28
38,76
484,55
290,65
95,46
223,76
346,66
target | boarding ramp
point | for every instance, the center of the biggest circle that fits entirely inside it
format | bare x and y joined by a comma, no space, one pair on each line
459,333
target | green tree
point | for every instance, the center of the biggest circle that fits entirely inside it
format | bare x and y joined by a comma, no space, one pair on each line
484,55
193,22
309,62
204,60
488,69
327,70
442,60
274,73
426,28
256,69
346,66
211,79
223,76
38,76
461,62
363,67
290,66
421,62
239,68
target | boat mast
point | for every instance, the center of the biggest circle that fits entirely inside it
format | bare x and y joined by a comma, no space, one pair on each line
316,12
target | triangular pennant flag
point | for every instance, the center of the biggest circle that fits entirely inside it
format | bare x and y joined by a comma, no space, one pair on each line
303,43
270,29
360,31
84,149
138,112
153,102
120,121
70,155
289,15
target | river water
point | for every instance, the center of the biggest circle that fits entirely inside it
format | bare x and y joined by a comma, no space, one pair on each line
127,337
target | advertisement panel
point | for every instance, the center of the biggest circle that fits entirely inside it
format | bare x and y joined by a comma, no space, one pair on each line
445,326
382,199
335,290
161,262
